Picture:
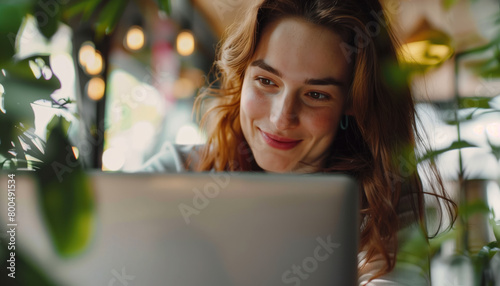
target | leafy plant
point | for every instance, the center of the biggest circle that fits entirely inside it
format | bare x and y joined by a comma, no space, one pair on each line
466,110
65,193
21,89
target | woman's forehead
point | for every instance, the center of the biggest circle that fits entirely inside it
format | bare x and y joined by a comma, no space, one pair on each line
298,49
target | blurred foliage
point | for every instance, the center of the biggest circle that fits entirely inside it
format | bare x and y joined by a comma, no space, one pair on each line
103,17
24,82
449,3
480,260
109,16
27,80
466,110
65,193
12,13
433,154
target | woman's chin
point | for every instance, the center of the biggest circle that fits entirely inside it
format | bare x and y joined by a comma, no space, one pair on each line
275,166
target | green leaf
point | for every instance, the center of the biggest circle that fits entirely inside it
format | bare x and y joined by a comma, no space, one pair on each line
436,242
483,258
48,15
491,249
470,116
58,123
32,150
2,163
481,49
72,10
448,3
22,89
414,248
475,102
495,150
25,71
109,17
472,208
394,75
65,194
84,7
8,132
489,69
27,81
432,154
12,13
20,158
165,5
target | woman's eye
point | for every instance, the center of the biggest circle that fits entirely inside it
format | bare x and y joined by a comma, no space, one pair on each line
317,95
265,81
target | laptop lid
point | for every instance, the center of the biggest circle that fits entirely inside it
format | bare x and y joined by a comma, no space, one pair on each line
205,229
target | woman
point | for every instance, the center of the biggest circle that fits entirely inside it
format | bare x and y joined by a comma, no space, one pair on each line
302,87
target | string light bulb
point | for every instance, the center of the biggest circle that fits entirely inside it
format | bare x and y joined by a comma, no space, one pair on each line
135,39
185,43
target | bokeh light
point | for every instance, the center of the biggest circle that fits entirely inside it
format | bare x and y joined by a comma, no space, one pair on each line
113,159
95,65
185,43
189,134
96,88
86,53
76,152
135,39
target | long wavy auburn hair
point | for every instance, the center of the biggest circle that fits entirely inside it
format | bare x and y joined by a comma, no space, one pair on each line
379,146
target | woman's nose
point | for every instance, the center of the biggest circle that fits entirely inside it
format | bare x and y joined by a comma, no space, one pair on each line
284,112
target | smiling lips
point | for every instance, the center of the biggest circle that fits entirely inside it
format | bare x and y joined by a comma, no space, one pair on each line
279,142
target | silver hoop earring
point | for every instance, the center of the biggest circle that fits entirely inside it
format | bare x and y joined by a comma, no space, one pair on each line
344,124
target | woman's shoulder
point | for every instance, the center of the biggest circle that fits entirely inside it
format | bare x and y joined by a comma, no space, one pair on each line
173,158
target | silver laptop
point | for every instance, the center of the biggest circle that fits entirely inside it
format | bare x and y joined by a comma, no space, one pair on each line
204,229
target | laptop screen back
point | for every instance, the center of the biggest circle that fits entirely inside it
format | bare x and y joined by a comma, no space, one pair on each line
206,229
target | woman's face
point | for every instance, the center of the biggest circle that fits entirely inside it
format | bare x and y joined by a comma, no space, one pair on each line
293,95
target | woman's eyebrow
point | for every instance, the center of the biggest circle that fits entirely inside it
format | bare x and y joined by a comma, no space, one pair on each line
324,81
321,81
261,64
